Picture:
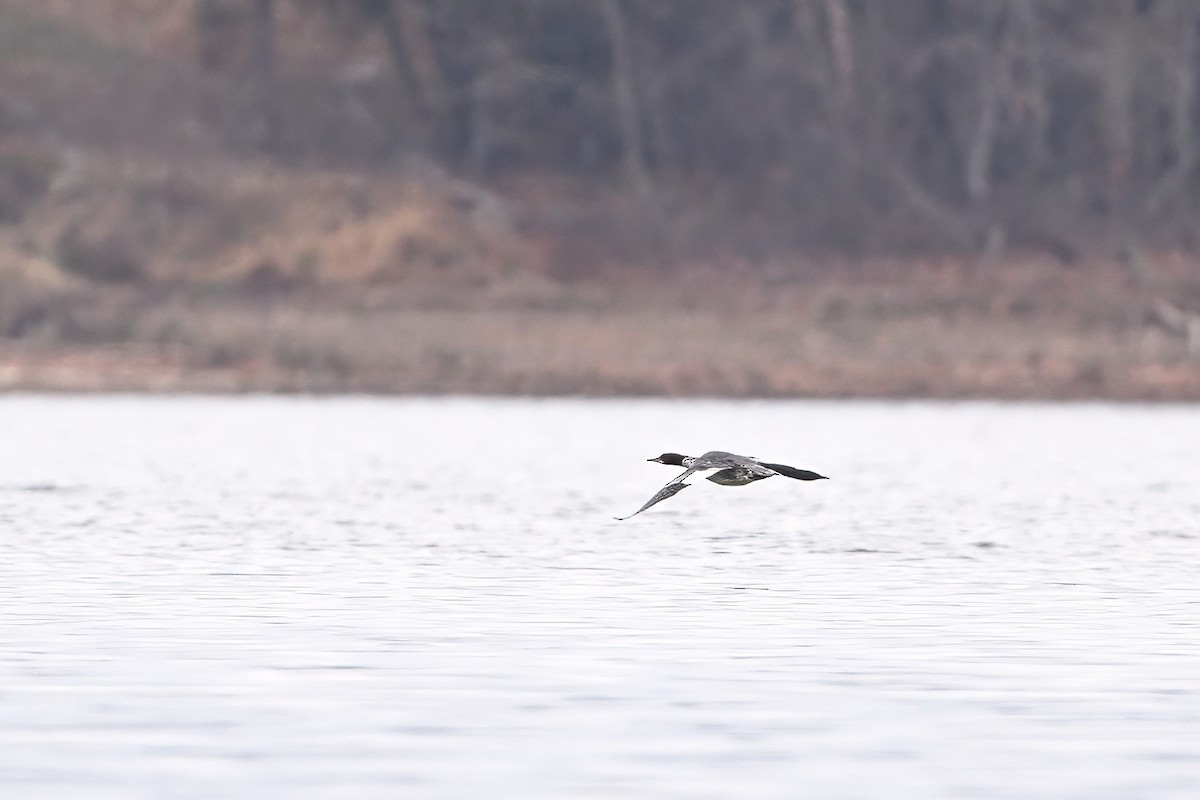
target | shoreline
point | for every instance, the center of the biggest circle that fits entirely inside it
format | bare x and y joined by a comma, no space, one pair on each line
114,370
1025,333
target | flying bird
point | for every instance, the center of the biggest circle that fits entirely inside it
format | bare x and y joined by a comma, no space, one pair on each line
732,470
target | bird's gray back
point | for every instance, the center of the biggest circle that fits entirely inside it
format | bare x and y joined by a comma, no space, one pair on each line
721,459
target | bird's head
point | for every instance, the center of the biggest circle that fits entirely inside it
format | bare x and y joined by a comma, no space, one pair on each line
670,459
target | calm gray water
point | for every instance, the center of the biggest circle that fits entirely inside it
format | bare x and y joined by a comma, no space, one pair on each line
379,598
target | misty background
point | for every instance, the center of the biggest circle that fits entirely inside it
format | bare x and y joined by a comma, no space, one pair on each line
937,197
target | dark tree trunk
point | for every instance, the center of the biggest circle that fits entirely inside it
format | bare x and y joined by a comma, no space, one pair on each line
393,30
269,133
629,116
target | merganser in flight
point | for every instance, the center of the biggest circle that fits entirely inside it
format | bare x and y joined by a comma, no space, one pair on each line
732,470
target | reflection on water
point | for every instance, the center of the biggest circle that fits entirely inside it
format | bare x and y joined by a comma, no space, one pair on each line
383,598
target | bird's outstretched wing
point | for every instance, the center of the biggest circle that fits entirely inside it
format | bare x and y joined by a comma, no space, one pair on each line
670,490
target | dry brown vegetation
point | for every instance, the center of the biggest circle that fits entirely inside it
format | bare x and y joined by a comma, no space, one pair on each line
1028,330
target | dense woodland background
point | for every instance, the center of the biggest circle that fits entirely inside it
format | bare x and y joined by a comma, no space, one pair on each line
763,197
857,125
684,127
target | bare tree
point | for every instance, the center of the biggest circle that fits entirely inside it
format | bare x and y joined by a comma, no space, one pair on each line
841,44
387,16
633,150
270,125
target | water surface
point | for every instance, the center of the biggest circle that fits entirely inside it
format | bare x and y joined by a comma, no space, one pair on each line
306,598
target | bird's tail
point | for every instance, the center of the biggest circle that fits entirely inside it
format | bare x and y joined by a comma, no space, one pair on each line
792,472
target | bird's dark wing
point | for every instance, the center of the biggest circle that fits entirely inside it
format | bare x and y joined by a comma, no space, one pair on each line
792,472
737,476
670,490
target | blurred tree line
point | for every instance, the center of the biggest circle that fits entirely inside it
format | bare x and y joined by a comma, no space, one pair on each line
860,125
